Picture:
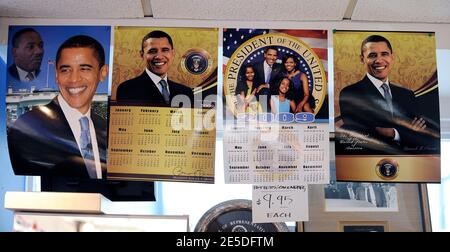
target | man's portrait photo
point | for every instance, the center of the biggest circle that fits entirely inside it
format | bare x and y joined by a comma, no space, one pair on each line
27,49
149,69
386,96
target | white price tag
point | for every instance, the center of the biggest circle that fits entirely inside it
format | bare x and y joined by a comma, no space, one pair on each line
280,203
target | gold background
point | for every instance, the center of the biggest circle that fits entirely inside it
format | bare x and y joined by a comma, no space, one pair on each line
129,64
414,59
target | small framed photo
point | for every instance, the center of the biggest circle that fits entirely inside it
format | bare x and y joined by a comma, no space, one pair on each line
363,226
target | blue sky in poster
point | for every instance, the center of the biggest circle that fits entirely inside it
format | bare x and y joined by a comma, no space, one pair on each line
53,37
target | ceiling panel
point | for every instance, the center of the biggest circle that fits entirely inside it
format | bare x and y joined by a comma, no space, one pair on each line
311,10
72,9
436,11
433,11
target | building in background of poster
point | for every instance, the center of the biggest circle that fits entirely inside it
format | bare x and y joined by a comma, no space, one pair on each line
276,113
280,203
386,106
162,109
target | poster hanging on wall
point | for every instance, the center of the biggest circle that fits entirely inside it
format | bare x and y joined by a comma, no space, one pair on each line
386,106
64,69
276,106
162,109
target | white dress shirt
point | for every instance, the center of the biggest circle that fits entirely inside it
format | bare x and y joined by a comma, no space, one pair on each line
23,74
267,72
377,83
156,79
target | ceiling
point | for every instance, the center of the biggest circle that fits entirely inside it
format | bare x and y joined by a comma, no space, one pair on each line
430,11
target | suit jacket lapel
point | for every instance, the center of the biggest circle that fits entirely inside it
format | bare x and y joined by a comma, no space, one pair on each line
259,68
396,92
275,69
173,88
372,90
64,128
153,90
13,71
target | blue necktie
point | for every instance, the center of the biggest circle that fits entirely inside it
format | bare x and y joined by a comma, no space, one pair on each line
269,74
387,97
86,147
164,91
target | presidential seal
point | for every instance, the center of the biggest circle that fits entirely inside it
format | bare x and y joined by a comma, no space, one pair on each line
387,169
251,52
196,61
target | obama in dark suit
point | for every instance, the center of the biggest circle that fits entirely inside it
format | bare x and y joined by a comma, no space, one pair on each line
381,113
267,73
47,140
65,141
153,85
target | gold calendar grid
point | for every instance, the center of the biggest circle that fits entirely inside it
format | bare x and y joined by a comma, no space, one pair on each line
158,142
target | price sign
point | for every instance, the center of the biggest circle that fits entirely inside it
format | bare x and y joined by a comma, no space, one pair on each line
279,203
